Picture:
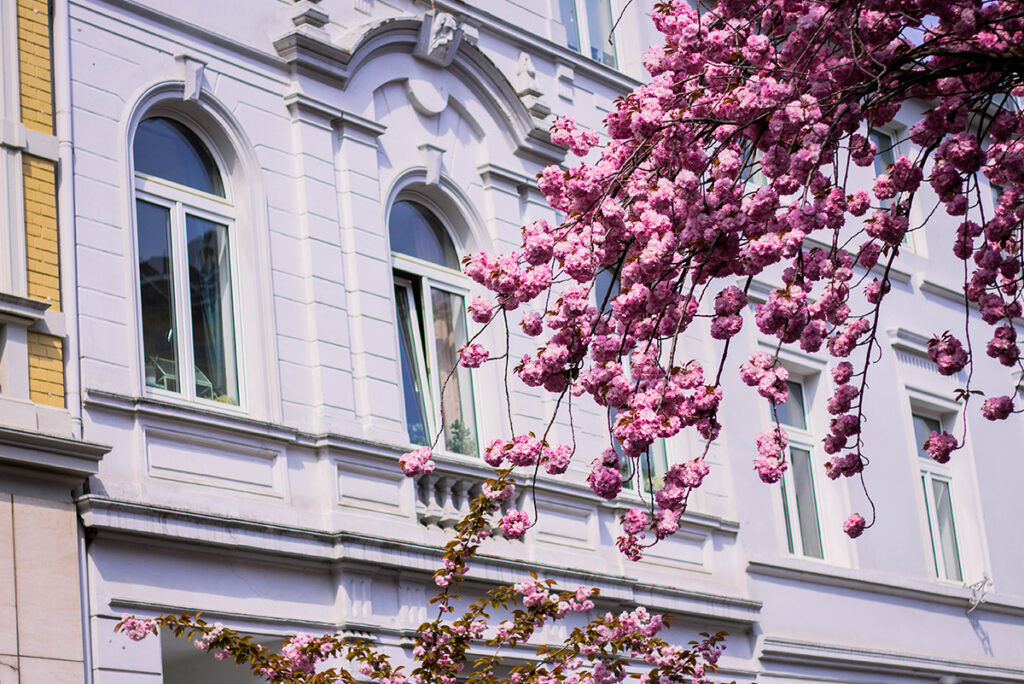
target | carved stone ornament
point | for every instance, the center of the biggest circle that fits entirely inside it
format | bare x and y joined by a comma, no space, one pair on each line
439,38
528,88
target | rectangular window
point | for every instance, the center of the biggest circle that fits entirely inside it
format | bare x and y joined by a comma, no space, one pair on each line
432,328
936,481
804,503
588,27
799,499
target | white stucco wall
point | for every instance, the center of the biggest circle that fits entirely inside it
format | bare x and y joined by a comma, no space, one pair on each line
289,513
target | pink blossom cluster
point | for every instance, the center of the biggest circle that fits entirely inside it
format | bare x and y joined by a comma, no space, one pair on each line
770,463
514,524
722,169
948,353
605,477
417,462
997,408
206,641
473,355
761,372
137,629
854,525
940,445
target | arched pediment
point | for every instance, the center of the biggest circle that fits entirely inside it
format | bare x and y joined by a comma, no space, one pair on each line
450,47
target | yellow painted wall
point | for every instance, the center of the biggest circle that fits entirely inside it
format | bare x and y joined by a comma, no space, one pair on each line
46,369
34,65
41,230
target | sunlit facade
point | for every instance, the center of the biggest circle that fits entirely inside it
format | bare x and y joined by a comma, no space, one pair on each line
263,206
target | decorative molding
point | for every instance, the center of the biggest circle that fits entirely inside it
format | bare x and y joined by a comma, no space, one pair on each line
880,585
16,136
848,658
226,534
192,75
432,158
565,76
528,88
69,461
907,340
439,38
23,311
354,123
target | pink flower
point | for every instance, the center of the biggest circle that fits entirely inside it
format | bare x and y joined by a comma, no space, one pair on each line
948,354
771,461
417,462
635,521
842,373
480,310
997,408
940,445
532,323
494,454
854,525
471,356
556,459
136,629
514,524
605,481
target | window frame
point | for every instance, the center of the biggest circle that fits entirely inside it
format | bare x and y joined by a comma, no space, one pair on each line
405,270
928,472
803,439
583,19
912,239
181,201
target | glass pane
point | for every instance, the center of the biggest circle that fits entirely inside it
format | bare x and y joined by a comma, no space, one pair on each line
415,231
456,391
653,466
213,328
792,413
606,288
947,533
156,290
806,505
166,149
885,156
785,512
599,22
931,527
410,352
923,428
571,24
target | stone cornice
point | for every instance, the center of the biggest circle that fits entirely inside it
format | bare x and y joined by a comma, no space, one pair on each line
805,654
64,460
292,544
880,584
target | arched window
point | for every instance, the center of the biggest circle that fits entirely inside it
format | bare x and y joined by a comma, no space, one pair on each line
184,221
431,312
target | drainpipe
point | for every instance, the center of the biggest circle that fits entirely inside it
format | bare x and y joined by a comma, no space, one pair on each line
61,41
68,236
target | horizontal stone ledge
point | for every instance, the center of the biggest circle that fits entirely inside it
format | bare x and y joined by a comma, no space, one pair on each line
329,550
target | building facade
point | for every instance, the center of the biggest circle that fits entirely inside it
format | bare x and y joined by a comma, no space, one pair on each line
233,233
43,457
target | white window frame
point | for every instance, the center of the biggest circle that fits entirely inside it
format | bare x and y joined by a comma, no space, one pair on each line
804,440
913,239
586,49
432,277
182,200
930,471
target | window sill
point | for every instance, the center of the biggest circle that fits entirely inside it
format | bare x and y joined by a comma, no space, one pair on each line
934,591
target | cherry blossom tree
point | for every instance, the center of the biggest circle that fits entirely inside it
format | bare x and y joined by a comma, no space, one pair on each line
732,163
